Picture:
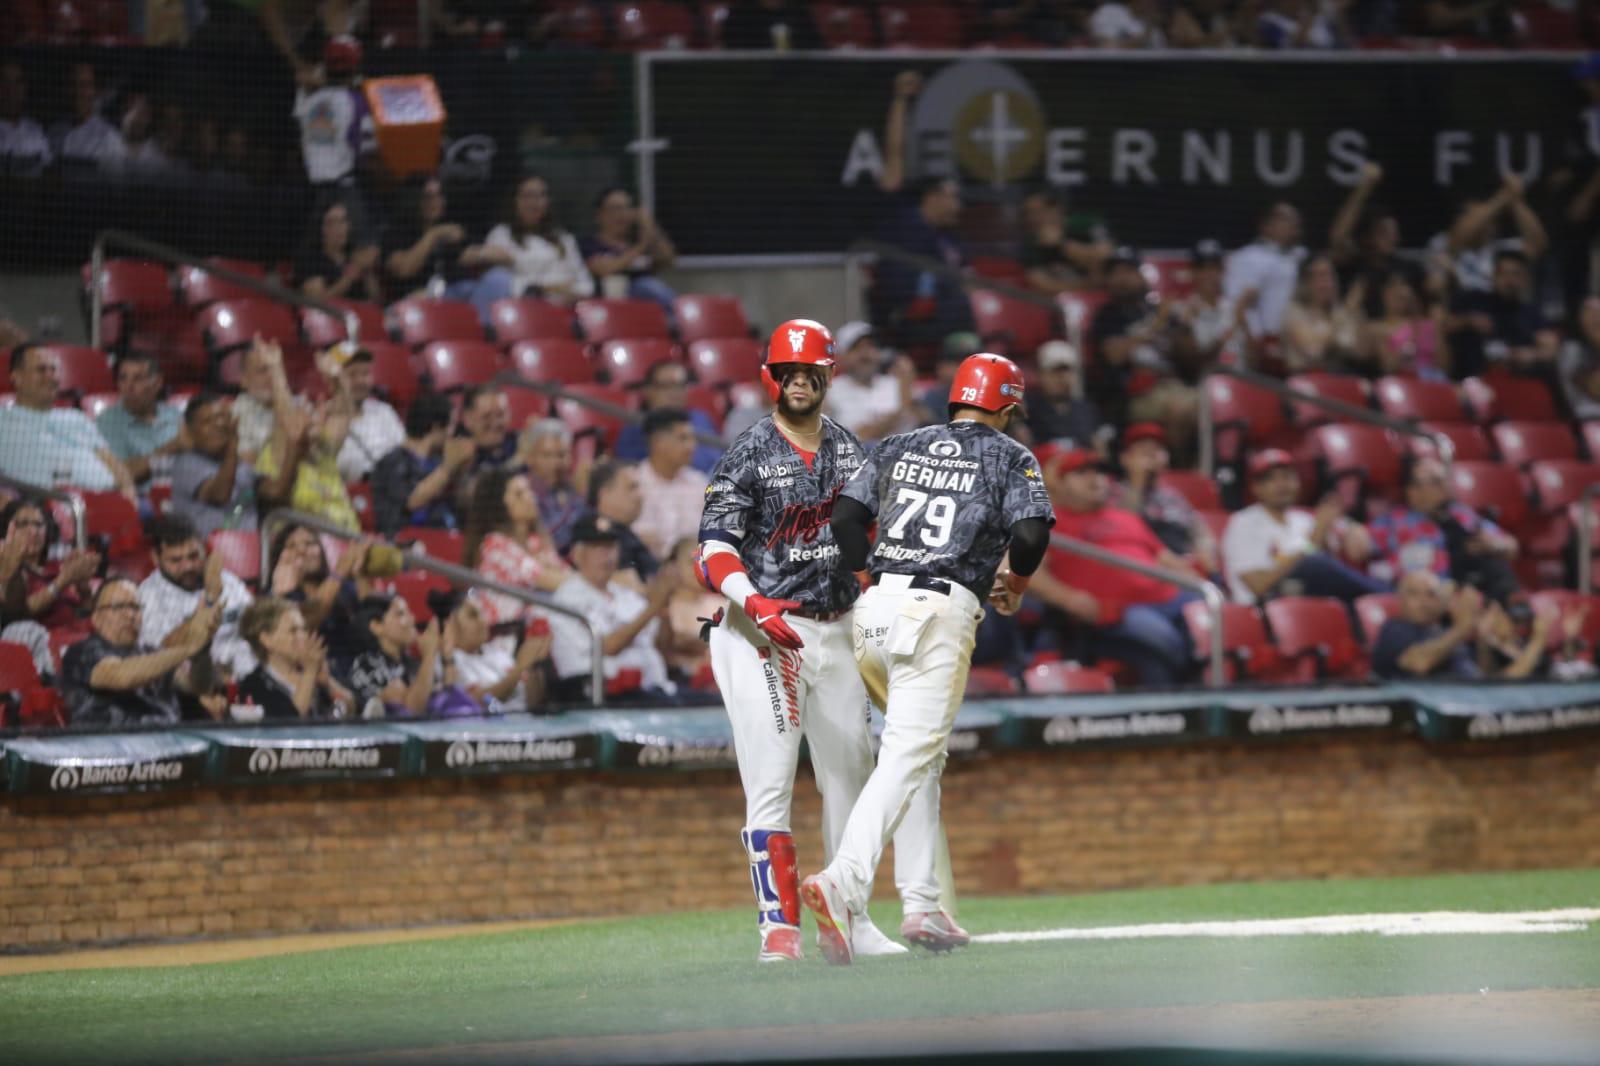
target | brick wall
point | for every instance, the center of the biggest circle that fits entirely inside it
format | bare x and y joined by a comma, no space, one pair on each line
301,858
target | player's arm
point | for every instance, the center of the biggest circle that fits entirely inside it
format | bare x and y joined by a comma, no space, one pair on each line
853,514
730,500
1028,505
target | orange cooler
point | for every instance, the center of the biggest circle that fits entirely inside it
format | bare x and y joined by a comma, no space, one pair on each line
409,117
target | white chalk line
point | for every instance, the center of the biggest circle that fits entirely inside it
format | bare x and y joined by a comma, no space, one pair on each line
1425,923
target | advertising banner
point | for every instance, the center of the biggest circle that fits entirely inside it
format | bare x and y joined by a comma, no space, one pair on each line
513,744
306,753
1294,712
116,762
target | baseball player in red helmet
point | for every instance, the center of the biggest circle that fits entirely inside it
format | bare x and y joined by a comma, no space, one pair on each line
782,653
949,501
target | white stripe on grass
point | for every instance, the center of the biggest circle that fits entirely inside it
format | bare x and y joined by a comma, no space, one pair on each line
1427,923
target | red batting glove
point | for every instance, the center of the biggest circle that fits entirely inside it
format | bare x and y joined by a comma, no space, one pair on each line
767,614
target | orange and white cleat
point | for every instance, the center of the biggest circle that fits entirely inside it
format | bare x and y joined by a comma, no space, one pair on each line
822,897
934,931
780,943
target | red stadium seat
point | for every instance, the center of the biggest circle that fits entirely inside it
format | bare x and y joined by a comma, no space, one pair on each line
846,25
413,586
529,319
1370,453
1468,439
1238,405
1248,653
1315,633
1345,388
83,370
201,287
1521,443
1559,483
134,295
111,516
1433,401
321,329
1493,488
609,320
96,403
579,22
710,400
584,420
553,361
725,360
1000,268
1564,604
230,325
1503,396
1059,678
39,707
394,373
361,499
654,24
240,550
442,544
523,405
459,364
1374,610
1010,326
706,317
920,25
990,681
418,321
626,362
1200,490
1171,278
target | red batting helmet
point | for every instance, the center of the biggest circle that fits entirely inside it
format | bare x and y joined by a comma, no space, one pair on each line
341,55
770,383
803,341
988,382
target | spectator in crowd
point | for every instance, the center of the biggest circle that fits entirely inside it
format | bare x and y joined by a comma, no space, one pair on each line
501,681
1123,614
86,143
111,679
1433,531
326,596
1168,513
1495,21
627,621
1128,24
1261,276
1056,411
1364,241
139,429
1472,245
415,484
870,396
627,250
1409,338
25,151
340,265
142,157
676,490
547,450
542,256
1503,325
688,657
1415,643
299,467
429,252
1055,260
387,680
47,445
263,390
666,386
779,25
337,133
42,595
1580,364
1213,329
375,428
1272,549
506,540
293,680
1321,331
1203,24
212,487
1323,24
486,422
615,495
184,580
1512,642
1136,343
935,399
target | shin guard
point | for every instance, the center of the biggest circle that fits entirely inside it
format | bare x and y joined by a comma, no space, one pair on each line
775,876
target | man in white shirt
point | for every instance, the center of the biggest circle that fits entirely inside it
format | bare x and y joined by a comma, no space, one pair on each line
1134,24
88,142
376,430
863,398
674,492
184,579
47,445
1271,549
336,127
24,149
628,623
1262,276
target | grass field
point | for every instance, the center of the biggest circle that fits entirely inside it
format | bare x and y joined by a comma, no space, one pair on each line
696,972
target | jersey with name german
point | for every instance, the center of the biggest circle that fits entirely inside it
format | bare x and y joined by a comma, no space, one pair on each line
773,507
945,498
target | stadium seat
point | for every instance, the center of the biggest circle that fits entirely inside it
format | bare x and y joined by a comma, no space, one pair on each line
710,400
1558,487
1413,398
1200,490
1374,610
1009,326
230,325
1503,396
460,364
1468,439
1000,268
1248,654
95,403
1060,678
706,317
1169,277
442,544
134,295
1244,408
240,550
654,24
523,405
990,681
321,329
527,319
111,517
553,361
39,706
83,370
1565,603
584,420
1314,634
579,22
725,360
418,322
626,362
1369,453
1521,443
1494,489
920,25
361,499
1345,388
413,586
843,25
393,373
201,287
609,320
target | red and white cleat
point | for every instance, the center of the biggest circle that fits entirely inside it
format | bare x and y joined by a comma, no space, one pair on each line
822,897
935,931
780,944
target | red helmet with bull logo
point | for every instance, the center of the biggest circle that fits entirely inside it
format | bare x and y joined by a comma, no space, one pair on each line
988,382
803,341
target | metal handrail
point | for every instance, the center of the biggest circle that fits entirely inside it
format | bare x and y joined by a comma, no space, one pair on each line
155,250
1208,443
1586,531
74,502
459,575
1217,674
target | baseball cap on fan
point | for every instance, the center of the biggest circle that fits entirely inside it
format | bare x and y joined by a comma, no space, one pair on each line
1062,457
593,529
849,335
1268,460
1053,354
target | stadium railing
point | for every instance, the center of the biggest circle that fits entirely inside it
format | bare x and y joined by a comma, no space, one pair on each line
459,575
74,502
1216,673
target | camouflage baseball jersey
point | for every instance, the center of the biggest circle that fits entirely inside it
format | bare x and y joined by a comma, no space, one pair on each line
765,502
946,498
